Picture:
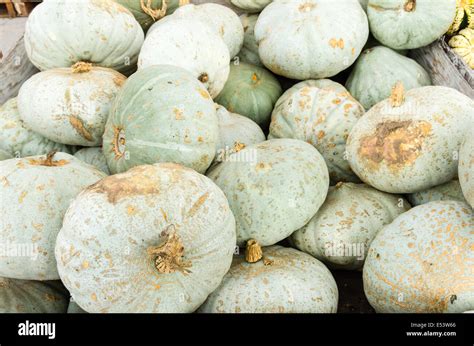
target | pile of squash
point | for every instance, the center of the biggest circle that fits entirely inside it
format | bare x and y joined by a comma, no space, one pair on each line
175,157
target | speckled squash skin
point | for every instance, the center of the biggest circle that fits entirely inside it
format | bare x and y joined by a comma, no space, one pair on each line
251,6
189,44
341,231
294,283
114,251
321,113
25,296
273,188
377,71
306,44
235,132
422,262
162,114
143,18
69,107
249,51
412,145
60,33
73,308
222,20
250,91
18,140
34,199
409,24
450,191
95,157
466,168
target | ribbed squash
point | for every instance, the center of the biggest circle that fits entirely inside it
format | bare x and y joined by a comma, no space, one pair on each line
249,51
162,114
464,16
95,157
463,45
450,191
251,6
288,281
250,91
466,168
158,238
423,261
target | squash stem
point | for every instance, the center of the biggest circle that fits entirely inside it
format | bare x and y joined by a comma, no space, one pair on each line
253,251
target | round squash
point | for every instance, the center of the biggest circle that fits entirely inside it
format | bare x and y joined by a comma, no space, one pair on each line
147,12
18,140
249,51
235,133
409,24
222,20
95,157
251,91
36,191
158,238
251,6
189,44
341,231
60,33
463,45
70,105
25,296
422,262
466,168
321,113
273,188
162,114
289,282
377,71
450,191
313,39
410,142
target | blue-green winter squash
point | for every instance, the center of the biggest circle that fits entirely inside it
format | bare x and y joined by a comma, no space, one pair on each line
307,43
18,140
73,308
60,33
158,238
364,4
251,6
410,142
36,192
221,19
341,231
95,157
273,188
322,113
250,91
70,105
26,296
162,114
423,261
378,70
409,24
249,51
191,45
235,133
450,191
5,155
289,281
466,167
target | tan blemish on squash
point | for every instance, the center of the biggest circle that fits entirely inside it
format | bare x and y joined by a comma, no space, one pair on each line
201,200
78,125
85,265
397,96
163,213
321,135
306,7
22,196
94,297
81,67
48,161
37,226
410,6
335,43
238,146
51,297
205,94
178,114
131,210
119,80
397,143
262,166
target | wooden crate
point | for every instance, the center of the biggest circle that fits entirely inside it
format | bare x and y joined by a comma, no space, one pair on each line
14,8
7,10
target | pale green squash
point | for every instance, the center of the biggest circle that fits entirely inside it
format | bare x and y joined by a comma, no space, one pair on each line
73,308
35,194
377,71
322,113
18,140
25,296
162,114
158,238
341,231
466,168
250,91
251,6
423,261
290,282
450,191
95,157
249,51
4,155
273,188
409,24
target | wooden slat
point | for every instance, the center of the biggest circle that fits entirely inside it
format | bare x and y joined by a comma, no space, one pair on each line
7,9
